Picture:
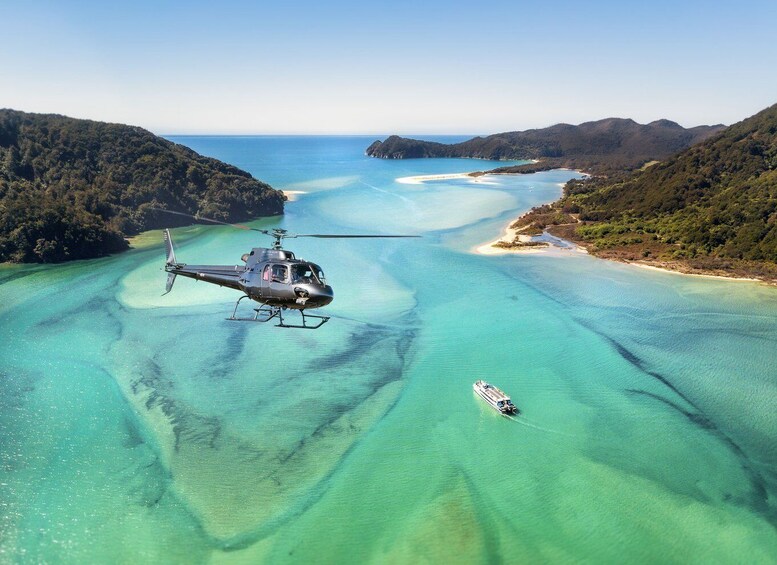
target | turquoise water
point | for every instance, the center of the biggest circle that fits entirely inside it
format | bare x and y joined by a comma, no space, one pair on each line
137,427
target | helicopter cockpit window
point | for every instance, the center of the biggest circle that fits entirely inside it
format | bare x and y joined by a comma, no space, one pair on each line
303,274
279,273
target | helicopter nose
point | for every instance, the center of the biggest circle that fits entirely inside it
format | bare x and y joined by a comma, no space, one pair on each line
324,295
321,295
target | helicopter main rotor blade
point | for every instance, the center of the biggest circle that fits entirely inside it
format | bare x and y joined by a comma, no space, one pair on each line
238,226
277,233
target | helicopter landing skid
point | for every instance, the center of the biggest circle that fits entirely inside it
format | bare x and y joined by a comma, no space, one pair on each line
265,313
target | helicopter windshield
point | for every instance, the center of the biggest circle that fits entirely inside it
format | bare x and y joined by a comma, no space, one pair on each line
307,273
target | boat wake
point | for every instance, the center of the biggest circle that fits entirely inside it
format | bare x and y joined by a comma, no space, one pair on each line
522,420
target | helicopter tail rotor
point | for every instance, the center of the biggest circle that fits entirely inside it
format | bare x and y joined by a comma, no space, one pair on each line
171,261
169,246
170,281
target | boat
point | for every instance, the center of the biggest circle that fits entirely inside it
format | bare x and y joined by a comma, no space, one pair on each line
495,397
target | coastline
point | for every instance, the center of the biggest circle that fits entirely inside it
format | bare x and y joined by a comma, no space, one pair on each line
643,265
510,234
501,245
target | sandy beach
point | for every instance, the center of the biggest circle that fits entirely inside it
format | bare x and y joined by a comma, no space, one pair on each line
293,195
667,270
509,236
420,179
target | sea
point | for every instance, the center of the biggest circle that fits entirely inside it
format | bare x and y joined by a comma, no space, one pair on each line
142,428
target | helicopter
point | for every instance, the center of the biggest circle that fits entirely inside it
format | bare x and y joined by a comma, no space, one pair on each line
273,277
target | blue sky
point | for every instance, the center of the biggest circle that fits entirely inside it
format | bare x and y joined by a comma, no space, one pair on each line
387,67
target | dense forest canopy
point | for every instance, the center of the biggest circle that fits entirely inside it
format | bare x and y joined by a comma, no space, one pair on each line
609,144
72,189
713,204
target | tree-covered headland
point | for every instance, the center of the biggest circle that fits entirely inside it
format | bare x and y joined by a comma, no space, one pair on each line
74,189
612,144
710,208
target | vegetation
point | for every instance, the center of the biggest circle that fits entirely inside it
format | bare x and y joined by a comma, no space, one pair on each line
603,146
712,207
518,244
540,218
73,189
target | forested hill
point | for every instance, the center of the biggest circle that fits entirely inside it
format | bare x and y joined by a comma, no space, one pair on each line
610,144
713,206
72,189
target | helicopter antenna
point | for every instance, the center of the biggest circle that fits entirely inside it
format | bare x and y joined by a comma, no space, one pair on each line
279,234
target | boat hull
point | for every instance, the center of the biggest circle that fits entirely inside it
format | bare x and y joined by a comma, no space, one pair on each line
495,398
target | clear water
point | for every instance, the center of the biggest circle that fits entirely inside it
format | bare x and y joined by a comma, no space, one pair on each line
142,428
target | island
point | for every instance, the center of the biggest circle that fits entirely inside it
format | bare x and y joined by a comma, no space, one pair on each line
75,189
612,144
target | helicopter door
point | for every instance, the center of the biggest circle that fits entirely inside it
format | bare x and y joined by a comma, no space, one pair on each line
264,282
279,281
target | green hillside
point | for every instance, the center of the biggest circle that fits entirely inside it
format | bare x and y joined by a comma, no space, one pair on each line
72,189
600,146
712,206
